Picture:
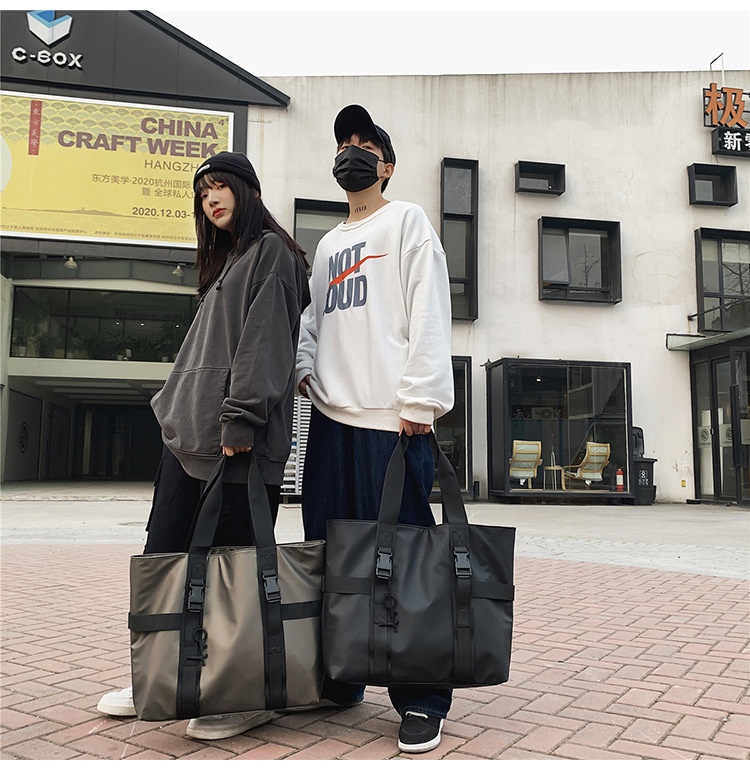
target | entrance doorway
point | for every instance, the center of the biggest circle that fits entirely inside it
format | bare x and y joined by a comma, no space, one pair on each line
721,406
116,442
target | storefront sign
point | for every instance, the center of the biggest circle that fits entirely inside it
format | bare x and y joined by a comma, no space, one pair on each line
103,171
49,30
728,141
724,107
728,112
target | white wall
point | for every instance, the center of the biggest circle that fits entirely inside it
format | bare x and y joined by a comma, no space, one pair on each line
626,140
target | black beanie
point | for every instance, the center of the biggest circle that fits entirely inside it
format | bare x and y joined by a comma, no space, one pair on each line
233,163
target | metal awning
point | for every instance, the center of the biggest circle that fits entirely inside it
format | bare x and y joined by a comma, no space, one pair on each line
689,342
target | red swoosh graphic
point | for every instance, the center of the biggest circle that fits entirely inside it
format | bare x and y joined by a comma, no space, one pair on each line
343,275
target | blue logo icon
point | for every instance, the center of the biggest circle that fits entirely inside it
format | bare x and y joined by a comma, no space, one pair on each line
47,28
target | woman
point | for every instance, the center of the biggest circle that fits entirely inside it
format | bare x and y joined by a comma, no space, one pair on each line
232,385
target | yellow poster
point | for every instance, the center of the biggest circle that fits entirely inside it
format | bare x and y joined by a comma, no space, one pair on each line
90,170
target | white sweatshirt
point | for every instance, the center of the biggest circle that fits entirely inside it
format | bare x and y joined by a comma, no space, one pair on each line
376,336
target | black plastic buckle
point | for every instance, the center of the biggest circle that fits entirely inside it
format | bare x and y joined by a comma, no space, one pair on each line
196,595
384,567
463,565
271,585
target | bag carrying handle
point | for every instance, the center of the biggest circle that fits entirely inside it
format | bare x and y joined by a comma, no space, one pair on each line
201,539
393,486
208,510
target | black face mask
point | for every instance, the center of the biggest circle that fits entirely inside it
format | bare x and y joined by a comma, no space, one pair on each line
356,169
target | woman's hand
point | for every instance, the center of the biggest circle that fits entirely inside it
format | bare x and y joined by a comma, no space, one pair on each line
230,451
413,428
302,387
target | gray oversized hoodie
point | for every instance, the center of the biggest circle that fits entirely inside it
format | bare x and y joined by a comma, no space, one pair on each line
232,383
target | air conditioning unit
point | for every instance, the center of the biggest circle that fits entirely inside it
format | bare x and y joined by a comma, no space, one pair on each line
542,413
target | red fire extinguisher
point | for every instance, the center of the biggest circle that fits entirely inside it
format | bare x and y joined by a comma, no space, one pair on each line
620,480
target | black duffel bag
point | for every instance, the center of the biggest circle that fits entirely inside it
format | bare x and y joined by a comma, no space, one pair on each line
404,604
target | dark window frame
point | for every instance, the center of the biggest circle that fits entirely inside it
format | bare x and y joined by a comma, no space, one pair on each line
322,207
553,172
611,290
499,432
467,491
330,207
725,177
472,220
702,234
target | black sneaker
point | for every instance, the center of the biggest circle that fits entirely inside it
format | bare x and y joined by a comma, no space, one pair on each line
419,732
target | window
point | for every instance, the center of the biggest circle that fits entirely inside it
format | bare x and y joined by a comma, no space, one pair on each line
313,219
564,405
712,185
547,178
723,271
458,206
99,325
453,430
579,260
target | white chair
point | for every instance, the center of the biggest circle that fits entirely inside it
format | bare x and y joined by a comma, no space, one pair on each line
591,467
525,460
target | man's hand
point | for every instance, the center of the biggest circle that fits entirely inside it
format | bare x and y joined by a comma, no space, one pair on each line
413,428
230,451
302,387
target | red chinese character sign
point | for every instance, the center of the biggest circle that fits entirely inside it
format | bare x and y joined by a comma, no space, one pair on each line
728,110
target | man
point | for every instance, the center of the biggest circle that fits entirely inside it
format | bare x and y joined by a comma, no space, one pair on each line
374,358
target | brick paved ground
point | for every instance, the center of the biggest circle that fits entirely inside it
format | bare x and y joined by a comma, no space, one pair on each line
609,662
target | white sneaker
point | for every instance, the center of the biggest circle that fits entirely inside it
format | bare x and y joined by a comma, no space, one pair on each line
216,726
117,704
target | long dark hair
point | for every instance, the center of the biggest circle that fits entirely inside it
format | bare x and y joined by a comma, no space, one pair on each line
250,218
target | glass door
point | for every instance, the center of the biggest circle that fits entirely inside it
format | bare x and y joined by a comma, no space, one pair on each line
722,426
740,363
704,430
725,474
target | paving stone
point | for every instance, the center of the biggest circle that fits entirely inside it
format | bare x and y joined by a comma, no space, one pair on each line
644,751
266,751
379,749
695,727
342,733
12,720
714,748
37,749
323,750
596,735
147,755
102,747
489,744
543,739
646,731
609,662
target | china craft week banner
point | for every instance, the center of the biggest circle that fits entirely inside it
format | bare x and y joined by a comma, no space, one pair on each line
88,170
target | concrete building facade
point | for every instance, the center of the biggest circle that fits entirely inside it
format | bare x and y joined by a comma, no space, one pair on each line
597,228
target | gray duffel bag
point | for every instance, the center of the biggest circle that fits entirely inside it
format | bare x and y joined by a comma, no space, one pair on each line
228,629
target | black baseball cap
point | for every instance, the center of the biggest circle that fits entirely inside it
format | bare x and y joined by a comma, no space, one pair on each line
355,119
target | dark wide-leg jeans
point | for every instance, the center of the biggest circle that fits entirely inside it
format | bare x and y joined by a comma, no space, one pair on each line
176,496
343,479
